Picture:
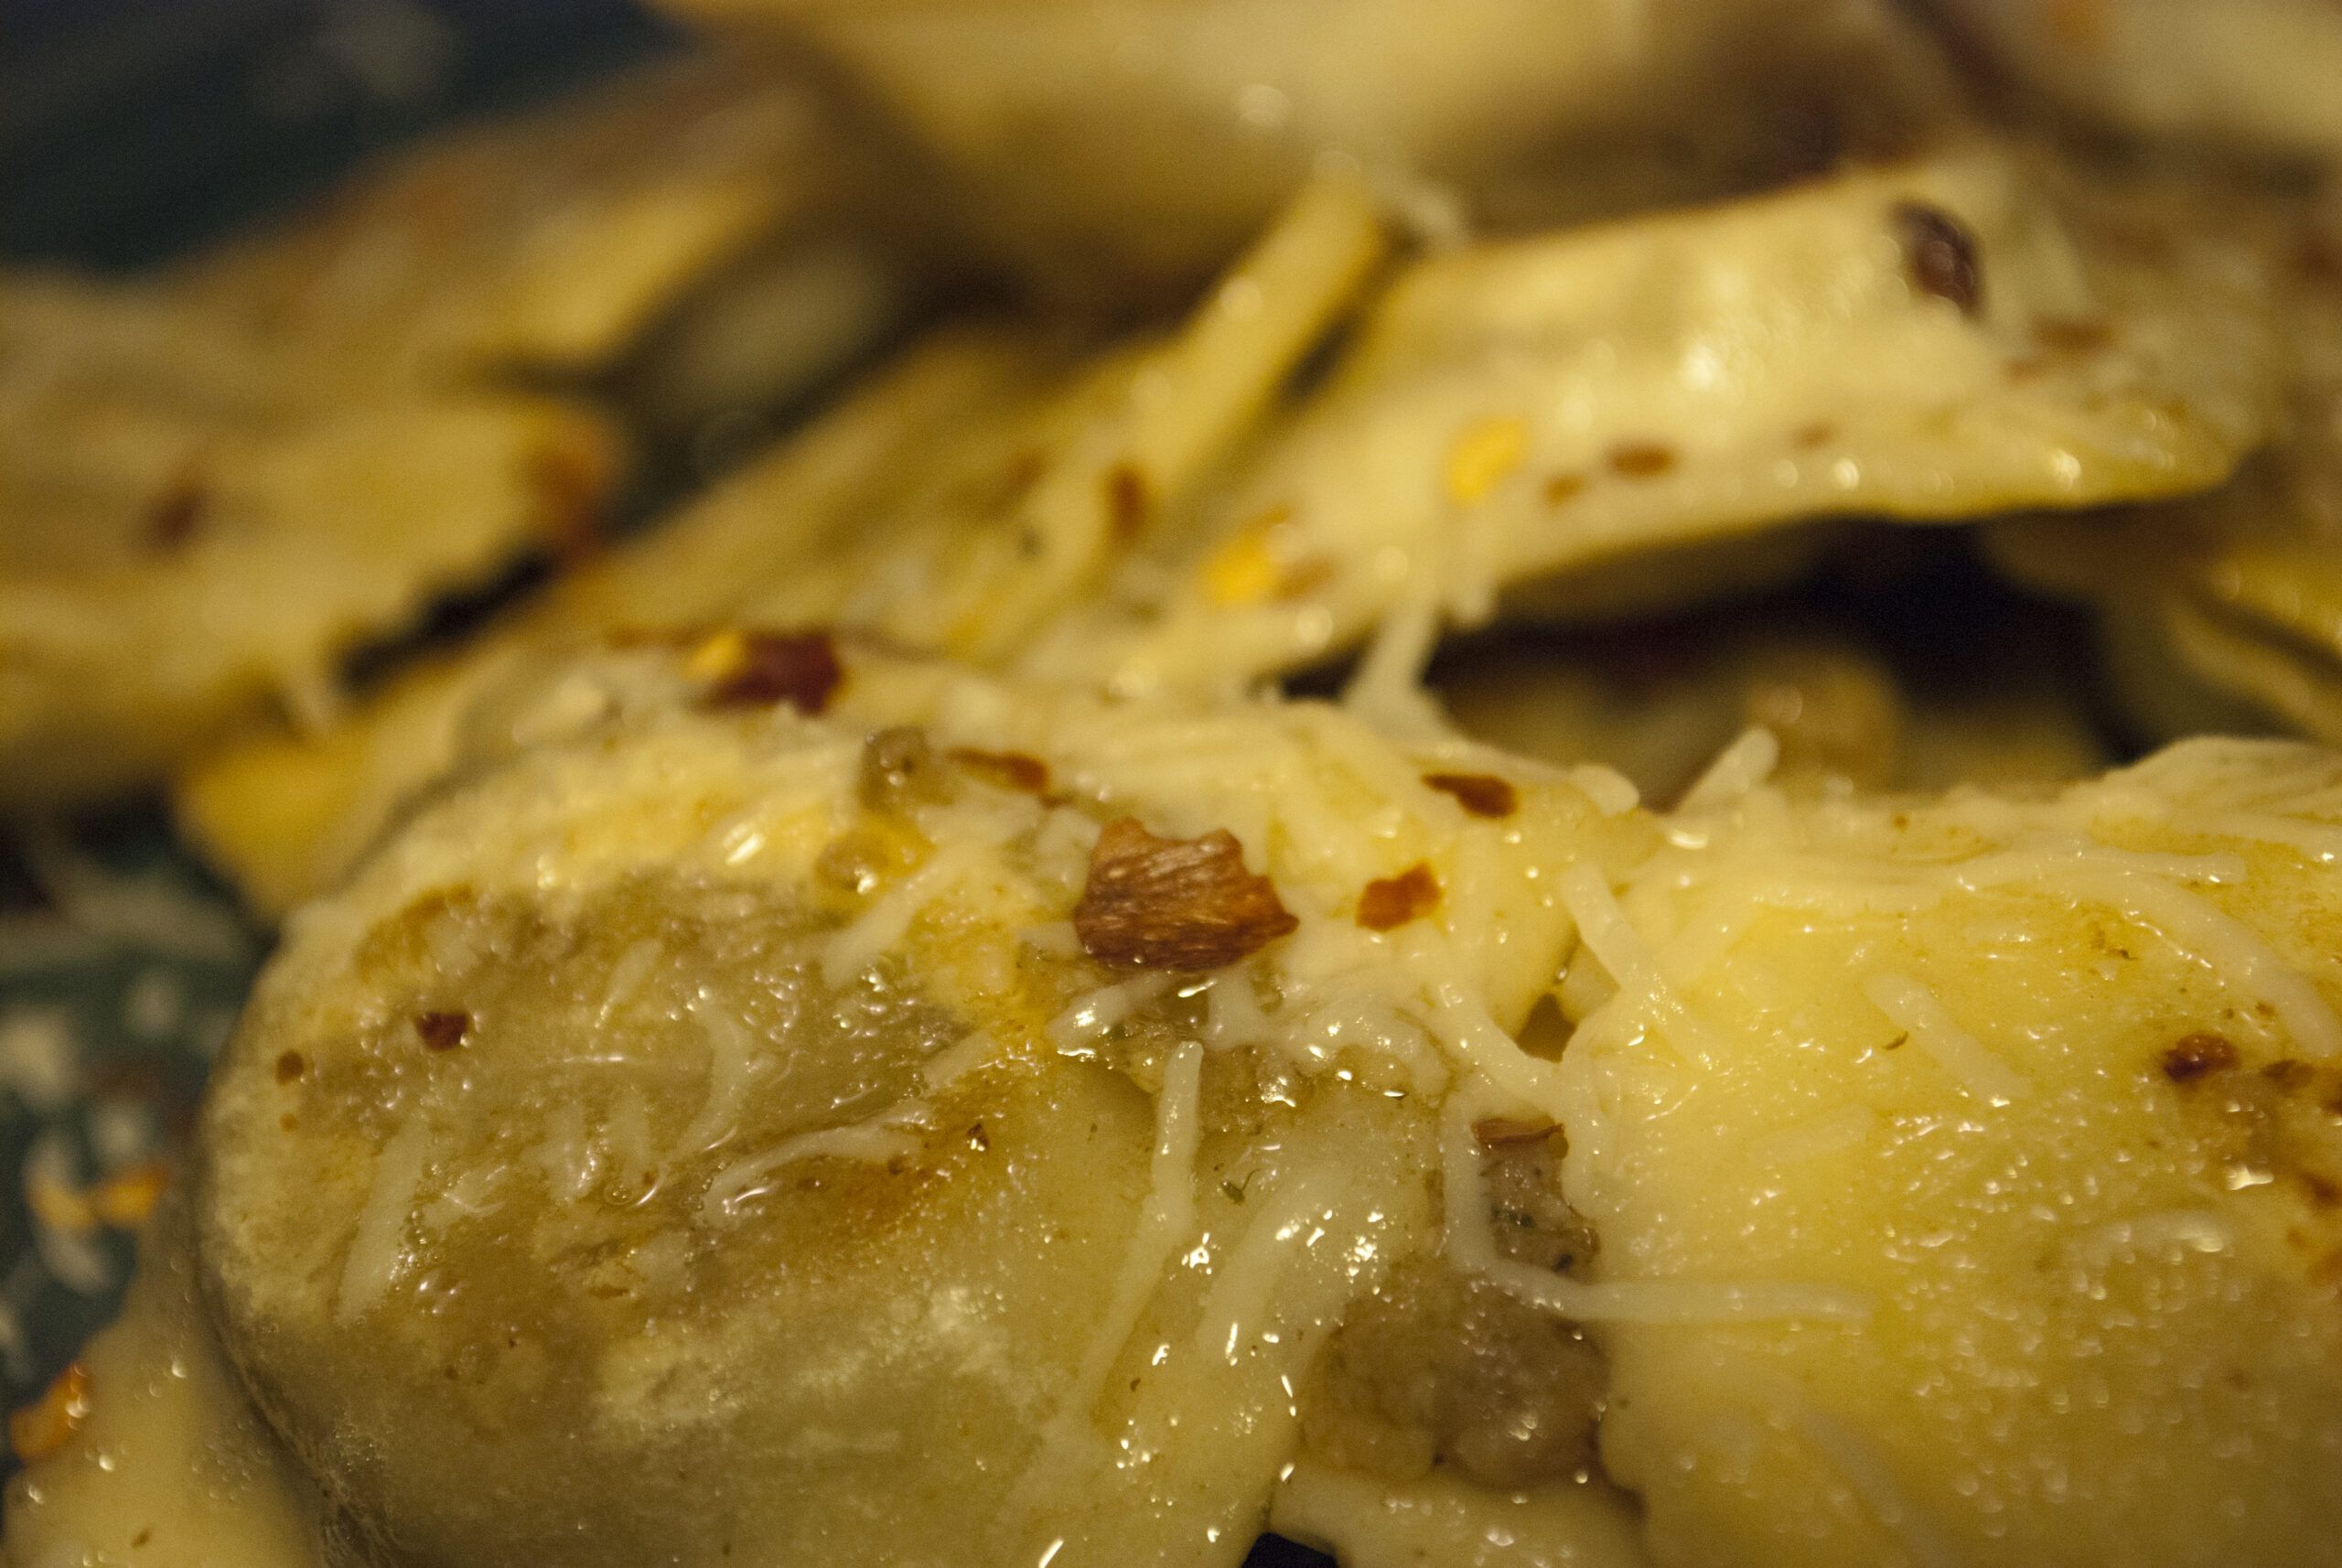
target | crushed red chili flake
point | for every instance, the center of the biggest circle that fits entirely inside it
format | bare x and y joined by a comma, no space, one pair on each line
442,1031
48,1424
290,1066
2192,1057
176,515
126,1199
1641,459
1009,769
1175,904
1495,1130
1129,500
1389,902
768,668
1940,254
1482,794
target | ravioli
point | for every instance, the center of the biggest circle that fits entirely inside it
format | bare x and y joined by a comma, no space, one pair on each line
2020,1115
1659,704
548,241
2235,591
694,1079
285,814
2256,75
1136,147
202,455
1925,342
191,531
1036,512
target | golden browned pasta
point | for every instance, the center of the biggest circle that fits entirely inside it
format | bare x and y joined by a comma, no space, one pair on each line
865,1103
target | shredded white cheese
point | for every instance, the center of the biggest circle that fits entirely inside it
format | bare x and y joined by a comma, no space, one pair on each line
1170,1216
1643,987
2168,1230
1917,1011
879,1141
1681,1300
378,1244
1738,769
1237,1310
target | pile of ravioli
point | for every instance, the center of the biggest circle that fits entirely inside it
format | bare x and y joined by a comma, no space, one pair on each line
1300,918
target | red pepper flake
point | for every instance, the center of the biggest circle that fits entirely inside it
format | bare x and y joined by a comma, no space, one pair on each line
1175,904
1641,459
1389,902
2192,1057
1129,500
1009,769
126,1199
1482,794
176,516
1940,255
442,1031
1494,1131
48,1424
290,1066
763,669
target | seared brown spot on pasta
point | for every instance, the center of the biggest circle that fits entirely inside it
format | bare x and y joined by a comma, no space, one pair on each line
1806,437
290,1066
49,1423
1000,489
1389,902
442,1031
571,486
1940,255
2318,258
1176,904
1482,794
766,668
1561,489
2078,24
1305,577
2192,1057
176,516
1641,459
1495,1130
1129,500
1009,769
2073,335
